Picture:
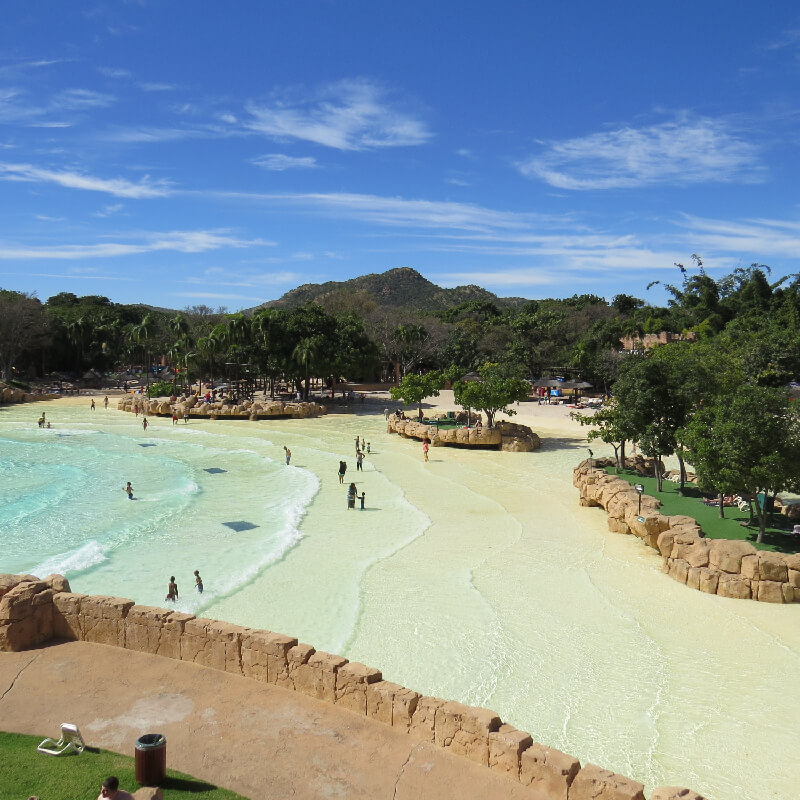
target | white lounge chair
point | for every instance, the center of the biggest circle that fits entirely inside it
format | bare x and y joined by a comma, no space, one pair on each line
71,739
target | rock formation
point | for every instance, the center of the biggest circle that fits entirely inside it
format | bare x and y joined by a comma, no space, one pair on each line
191,407
730,568
504,436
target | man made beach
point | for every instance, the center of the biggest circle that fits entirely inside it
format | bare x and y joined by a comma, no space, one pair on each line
475,577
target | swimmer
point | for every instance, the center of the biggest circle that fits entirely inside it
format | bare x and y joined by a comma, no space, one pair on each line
128,489
198,581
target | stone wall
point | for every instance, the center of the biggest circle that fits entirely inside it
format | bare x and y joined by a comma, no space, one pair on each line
8,394
504,436
191,407
730,568
33,611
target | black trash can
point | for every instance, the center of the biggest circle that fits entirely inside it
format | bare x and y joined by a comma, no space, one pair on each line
151,759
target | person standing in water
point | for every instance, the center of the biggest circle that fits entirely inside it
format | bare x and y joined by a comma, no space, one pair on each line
172,590
351,496
288,453
145,423
105,402
361,498
92,405
359,461
342,470
425,446
128,489
198,581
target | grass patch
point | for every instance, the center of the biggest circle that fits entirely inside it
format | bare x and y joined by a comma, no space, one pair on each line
25,772
777,536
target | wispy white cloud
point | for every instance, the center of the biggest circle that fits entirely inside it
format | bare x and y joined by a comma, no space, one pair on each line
79,99
348,115
45,218
157,87
679,152
753,239
119,187
278,162
109,210
111,72
200,241
397,211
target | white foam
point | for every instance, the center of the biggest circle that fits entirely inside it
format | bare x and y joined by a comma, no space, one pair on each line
88,555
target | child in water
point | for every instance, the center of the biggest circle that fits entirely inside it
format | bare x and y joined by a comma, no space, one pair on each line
198,581
128,489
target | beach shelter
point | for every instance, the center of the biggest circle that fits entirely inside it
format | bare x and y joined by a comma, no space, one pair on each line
576,385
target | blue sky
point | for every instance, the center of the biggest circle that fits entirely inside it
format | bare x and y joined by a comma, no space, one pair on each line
179,153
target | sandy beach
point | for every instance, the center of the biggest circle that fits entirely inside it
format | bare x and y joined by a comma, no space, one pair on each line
478,577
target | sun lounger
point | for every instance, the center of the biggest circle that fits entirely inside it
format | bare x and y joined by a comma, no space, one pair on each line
71,740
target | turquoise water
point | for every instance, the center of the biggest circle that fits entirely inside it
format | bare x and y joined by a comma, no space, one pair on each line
64,509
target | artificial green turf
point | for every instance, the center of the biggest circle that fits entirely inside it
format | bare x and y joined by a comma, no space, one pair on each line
25,772
776,537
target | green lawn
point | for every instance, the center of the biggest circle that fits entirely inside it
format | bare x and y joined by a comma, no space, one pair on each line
25,772
776,536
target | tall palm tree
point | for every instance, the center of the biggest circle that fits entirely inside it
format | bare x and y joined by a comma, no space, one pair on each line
305,355
142,334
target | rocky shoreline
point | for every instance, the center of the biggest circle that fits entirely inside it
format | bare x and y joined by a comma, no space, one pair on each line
192,408
729,568
506,436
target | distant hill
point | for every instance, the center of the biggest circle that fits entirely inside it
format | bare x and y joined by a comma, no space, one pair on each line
397,288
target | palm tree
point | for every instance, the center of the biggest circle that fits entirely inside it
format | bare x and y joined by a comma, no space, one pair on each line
141,335
305,355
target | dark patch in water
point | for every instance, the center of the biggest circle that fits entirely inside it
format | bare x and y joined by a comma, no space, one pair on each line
240,525
148,444
214,470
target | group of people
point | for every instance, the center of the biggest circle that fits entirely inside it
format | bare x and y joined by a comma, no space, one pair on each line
43,423
172,588
105,404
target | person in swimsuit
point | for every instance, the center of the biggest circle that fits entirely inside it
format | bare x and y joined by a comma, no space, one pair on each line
145,423
172,590
425,446
359,461
198,581
342,470
92,406
128,489
361,498
105,402
351,496
288,453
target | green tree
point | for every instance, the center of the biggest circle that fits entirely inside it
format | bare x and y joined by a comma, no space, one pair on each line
413,389
22,327
748,441
499,386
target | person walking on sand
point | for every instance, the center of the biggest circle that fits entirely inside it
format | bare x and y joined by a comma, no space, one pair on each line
92,405
172,590
351,496
288,453
386,413
105,402
128,489
359,461
145,423
174,417
198,581
361,498
425,445
342,470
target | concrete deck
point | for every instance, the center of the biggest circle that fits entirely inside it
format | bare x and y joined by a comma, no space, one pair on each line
253,738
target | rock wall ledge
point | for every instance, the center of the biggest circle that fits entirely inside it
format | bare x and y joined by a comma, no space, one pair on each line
34,611
727,567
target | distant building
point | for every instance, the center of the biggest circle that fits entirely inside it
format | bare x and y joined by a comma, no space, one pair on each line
634,344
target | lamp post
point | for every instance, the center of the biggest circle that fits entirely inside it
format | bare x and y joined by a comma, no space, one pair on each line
639,490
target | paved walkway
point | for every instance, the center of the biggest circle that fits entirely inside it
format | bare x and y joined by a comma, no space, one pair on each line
258,740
